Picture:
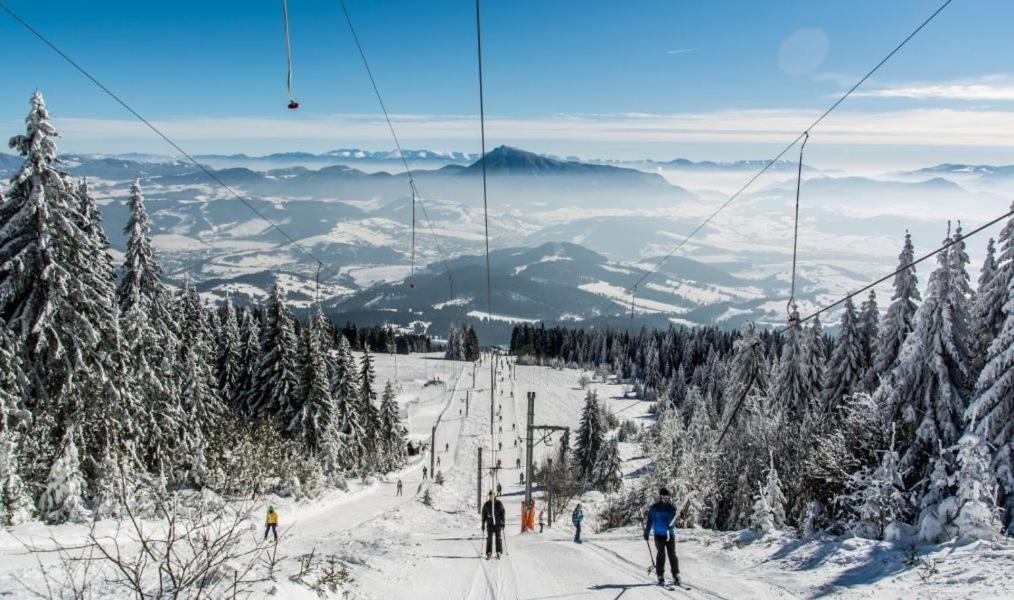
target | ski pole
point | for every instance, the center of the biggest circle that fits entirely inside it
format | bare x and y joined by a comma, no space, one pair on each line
651,556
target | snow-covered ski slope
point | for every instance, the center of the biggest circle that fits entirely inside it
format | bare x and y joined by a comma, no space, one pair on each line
397,547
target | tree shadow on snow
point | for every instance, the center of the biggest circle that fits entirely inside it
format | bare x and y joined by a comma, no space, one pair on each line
880,563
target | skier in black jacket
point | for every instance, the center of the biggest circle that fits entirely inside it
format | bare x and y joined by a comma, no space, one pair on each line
493,516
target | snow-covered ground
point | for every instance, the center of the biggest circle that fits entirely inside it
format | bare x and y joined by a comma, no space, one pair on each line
398,547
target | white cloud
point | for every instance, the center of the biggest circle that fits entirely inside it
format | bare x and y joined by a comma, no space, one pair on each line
682,50
991,87
922,127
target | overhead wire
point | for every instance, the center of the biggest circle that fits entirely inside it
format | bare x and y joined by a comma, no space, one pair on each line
485,220
955,240
401,153
789,146
208,172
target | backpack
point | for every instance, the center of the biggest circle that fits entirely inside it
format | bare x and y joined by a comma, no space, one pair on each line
576,517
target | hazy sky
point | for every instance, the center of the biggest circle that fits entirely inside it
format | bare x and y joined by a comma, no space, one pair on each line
660,79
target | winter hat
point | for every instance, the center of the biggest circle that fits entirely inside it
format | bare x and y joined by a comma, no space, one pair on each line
490,493
664,492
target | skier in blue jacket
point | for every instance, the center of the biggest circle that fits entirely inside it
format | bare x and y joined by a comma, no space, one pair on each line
661,523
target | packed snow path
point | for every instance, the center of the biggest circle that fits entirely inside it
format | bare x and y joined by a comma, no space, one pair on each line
420,552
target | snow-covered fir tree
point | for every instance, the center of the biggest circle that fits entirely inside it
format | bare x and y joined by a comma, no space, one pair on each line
346,395
749,365
815,360
983,331
976,516
57,300
393,442
316,421
790,384
991,412
590,436
249,364
877,498
62,500
869,332
607,473
899,320
369,411
229,371
844,374
930,386
277,395
769,503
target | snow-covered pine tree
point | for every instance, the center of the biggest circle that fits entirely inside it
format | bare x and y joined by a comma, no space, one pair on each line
869,330
976,516
369,410
62,501
816,360
960,262
590,437
229,355
472,350
899,320
982,330
392,433
930,385
991,413
453,344
773,495
990,298
91,224
346,396
15,504
790,385
845,370
749,365
877,498
58,301
316,421
607,474
249,363
277,375
762,520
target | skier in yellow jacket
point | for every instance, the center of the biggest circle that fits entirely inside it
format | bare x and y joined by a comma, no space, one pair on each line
271,522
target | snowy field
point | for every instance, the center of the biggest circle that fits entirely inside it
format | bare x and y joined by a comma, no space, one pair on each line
398,547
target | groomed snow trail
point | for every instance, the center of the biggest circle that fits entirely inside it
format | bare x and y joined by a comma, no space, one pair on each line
421,553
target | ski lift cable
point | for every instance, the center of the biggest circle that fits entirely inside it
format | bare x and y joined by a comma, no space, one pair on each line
797,139
208,172
401,153
795,227
485,205
901,269
288,56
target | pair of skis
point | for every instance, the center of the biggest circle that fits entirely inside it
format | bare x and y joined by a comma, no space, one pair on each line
663,584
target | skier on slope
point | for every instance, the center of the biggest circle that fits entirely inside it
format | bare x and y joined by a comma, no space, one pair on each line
542,520
271,523
424,471
399,487
576,517
661,523
493,516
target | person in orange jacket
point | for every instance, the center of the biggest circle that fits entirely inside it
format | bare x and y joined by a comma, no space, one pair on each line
271,522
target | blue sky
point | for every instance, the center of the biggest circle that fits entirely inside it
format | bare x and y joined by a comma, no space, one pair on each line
661,78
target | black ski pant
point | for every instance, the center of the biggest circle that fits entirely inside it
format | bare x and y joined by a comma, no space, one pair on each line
577,532
665,547
272,528
490,531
